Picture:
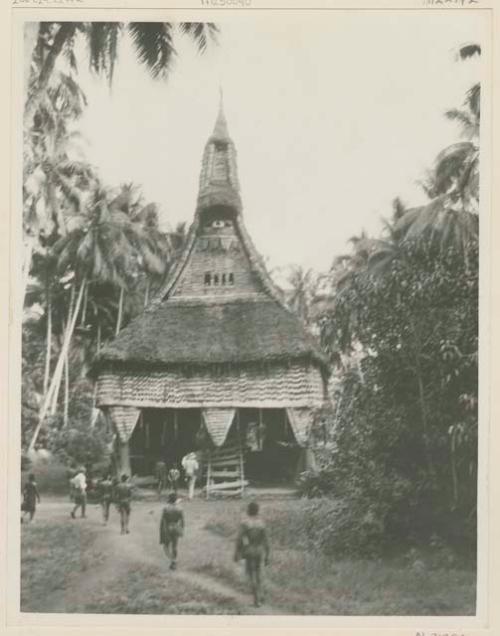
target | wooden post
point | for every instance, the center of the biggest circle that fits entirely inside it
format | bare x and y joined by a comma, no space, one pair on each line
242,466
124,458
209,472
146,432
260,432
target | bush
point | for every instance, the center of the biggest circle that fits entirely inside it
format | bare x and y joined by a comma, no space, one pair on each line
316,483
330,527
80,446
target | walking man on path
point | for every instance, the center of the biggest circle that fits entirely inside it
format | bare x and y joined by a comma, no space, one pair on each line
79,488
171,528
173,477
191,467
252,544
161,475
30,498
123,497
105,492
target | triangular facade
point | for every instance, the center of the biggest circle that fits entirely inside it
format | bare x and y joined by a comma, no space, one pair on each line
217,335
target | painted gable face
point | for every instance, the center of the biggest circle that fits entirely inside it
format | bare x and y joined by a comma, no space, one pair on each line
218,264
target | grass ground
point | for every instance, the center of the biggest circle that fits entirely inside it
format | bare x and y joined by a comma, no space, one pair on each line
82,566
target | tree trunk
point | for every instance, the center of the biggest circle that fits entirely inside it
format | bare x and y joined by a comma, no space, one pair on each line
57,214
66,391
422,402
55,383
84,309
146,294
28,254
66,31
454,476
124,458
31,30
49,345
120,311
98,345
65,328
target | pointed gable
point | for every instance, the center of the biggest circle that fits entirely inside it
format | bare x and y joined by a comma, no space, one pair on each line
219,305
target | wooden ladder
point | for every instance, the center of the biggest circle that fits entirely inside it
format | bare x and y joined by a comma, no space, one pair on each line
225,471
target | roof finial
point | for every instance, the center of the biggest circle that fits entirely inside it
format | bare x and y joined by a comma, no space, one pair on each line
220,129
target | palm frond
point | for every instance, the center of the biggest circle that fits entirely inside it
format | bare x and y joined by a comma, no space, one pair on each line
102,38
202,33
469,50
154,46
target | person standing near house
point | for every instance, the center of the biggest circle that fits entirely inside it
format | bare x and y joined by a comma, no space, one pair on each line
105,493
252,544
79,489
173,477
123,498
191,467
171,528
30,498
161,475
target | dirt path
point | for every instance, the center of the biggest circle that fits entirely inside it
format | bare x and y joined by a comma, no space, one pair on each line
117,556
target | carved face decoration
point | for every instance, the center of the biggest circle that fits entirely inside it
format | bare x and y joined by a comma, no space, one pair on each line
217,224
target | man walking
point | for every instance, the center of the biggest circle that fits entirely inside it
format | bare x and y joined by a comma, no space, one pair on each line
252,545
30,498
173,478
191,467
79,488
123,497
161,475
105,493
171,528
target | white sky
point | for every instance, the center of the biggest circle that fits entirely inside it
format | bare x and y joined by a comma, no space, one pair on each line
332,115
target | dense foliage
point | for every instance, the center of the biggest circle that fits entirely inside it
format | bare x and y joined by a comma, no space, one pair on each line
94,254
401,328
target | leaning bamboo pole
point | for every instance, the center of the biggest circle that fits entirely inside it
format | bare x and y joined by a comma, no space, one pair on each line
49,402
49,344
120,311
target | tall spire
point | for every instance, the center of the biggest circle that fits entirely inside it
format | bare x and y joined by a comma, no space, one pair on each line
220,129
219,184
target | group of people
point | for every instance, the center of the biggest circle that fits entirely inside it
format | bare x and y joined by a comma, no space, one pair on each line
109,490
169,478
252,542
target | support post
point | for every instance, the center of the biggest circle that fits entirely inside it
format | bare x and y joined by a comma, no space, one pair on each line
240,450
124,458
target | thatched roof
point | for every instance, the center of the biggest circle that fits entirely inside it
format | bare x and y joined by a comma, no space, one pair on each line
242,327
201,332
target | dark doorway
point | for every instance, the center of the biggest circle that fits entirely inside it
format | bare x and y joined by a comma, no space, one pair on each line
272,453
163,434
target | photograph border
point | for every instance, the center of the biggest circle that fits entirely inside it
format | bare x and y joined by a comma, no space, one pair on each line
488,615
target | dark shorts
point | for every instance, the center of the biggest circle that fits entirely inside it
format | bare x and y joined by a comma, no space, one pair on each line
80,497
253,564
124,506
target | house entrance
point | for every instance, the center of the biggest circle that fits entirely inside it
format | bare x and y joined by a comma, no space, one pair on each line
163,434
272,453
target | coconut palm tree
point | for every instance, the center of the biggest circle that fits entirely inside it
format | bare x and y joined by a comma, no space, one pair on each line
98,248
304,284
55,177
452,185
154,43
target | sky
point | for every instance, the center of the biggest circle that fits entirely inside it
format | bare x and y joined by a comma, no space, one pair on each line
333,115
